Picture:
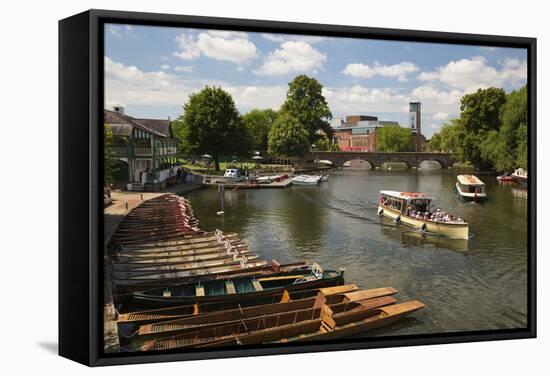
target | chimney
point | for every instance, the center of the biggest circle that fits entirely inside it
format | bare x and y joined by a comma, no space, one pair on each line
119,109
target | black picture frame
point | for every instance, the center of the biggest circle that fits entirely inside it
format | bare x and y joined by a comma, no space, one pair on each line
80,166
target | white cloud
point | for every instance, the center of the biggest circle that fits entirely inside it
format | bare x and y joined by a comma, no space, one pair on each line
474,73
132,86
220,45
120,31
399,71
440,116
165,66
273,37
292,56
184,68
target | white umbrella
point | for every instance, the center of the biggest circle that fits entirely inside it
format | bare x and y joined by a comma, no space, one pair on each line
206,156
257,157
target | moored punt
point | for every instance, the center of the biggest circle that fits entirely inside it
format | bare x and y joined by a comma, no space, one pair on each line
174,256
470,188
234,288
196,247
272,268
143,262
167,275
330,325
413,209
321,322
198,266
190,239
336,302
181,311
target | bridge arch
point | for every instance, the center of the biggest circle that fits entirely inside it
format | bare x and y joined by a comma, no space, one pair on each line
439,163
359,163
396,160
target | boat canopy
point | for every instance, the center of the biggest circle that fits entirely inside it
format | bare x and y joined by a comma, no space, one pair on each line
469,180
406,195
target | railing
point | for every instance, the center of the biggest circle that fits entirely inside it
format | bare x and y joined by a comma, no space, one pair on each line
119,151
143,150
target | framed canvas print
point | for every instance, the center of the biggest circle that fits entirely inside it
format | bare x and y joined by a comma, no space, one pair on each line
236,187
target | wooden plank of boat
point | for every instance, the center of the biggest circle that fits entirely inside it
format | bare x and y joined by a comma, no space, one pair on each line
257,329
197,266
338,303
164,314
181,294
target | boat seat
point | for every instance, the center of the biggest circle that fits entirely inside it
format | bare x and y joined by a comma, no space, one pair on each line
199,290
230,287
257,285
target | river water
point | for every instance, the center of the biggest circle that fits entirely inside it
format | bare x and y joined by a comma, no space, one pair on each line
474,284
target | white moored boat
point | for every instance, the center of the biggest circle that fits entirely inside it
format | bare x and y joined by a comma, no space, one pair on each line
306,180
520,176
470,188
413,209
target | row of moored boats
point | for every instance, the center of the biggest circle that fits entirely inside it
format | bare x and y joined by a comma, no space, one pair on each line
176,286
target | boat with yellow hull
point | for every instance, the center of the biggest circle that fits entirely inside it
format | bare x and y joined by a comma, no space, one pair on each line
398,206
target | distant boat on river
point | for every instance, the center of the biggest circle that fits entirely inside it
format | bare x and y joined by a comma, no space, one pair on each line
470,188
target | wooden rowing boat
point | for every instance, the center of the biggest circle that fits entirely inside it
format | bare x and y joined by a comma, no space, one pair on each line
181,311
135,263
165,271
277,327
243,287
124,287
186,240
181,250
336,302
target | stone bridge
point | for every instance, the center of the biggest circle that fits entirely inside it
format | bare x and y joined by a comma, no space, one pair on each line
412,159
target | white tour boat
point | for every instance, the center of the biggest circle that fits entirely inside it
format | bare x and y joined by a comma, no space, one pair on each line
413,209
470,188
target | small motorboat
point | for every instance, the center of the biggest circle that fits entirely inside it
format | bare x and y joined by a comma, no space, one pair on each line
505,178
520,175
306,180
413,209
470,188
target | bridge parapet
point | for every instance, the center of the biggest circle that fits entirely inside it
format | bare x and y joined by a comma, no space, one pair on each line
376,159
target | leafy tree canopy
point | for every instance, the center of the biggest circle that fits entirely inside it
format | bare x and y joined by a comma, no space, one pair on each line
259,122
393,138
288,137
212,125
306,103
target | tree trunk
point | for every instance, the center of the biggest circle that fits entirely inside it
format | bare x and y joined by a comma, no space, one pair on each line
216,163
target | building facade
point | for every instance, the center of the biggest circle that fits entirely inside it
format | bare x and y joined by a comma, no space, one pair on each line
145,150
358,133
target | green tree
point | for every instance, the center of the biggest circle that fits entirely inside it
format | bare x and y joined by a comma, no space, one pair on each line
306,103
480,111
211,124
394,138
108,161
288,137
259,122
514,129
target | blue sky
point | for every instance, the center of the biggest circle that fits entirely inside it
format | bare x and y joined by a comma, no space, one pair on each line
152,71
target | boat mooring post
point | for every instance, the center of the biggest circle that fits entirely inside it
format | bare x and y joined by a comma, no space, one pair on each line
221,192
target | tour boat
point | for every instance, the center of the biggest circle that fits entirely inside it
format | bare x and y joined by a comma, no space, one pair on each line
520,175
470,188
413,209
347,164
306,180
